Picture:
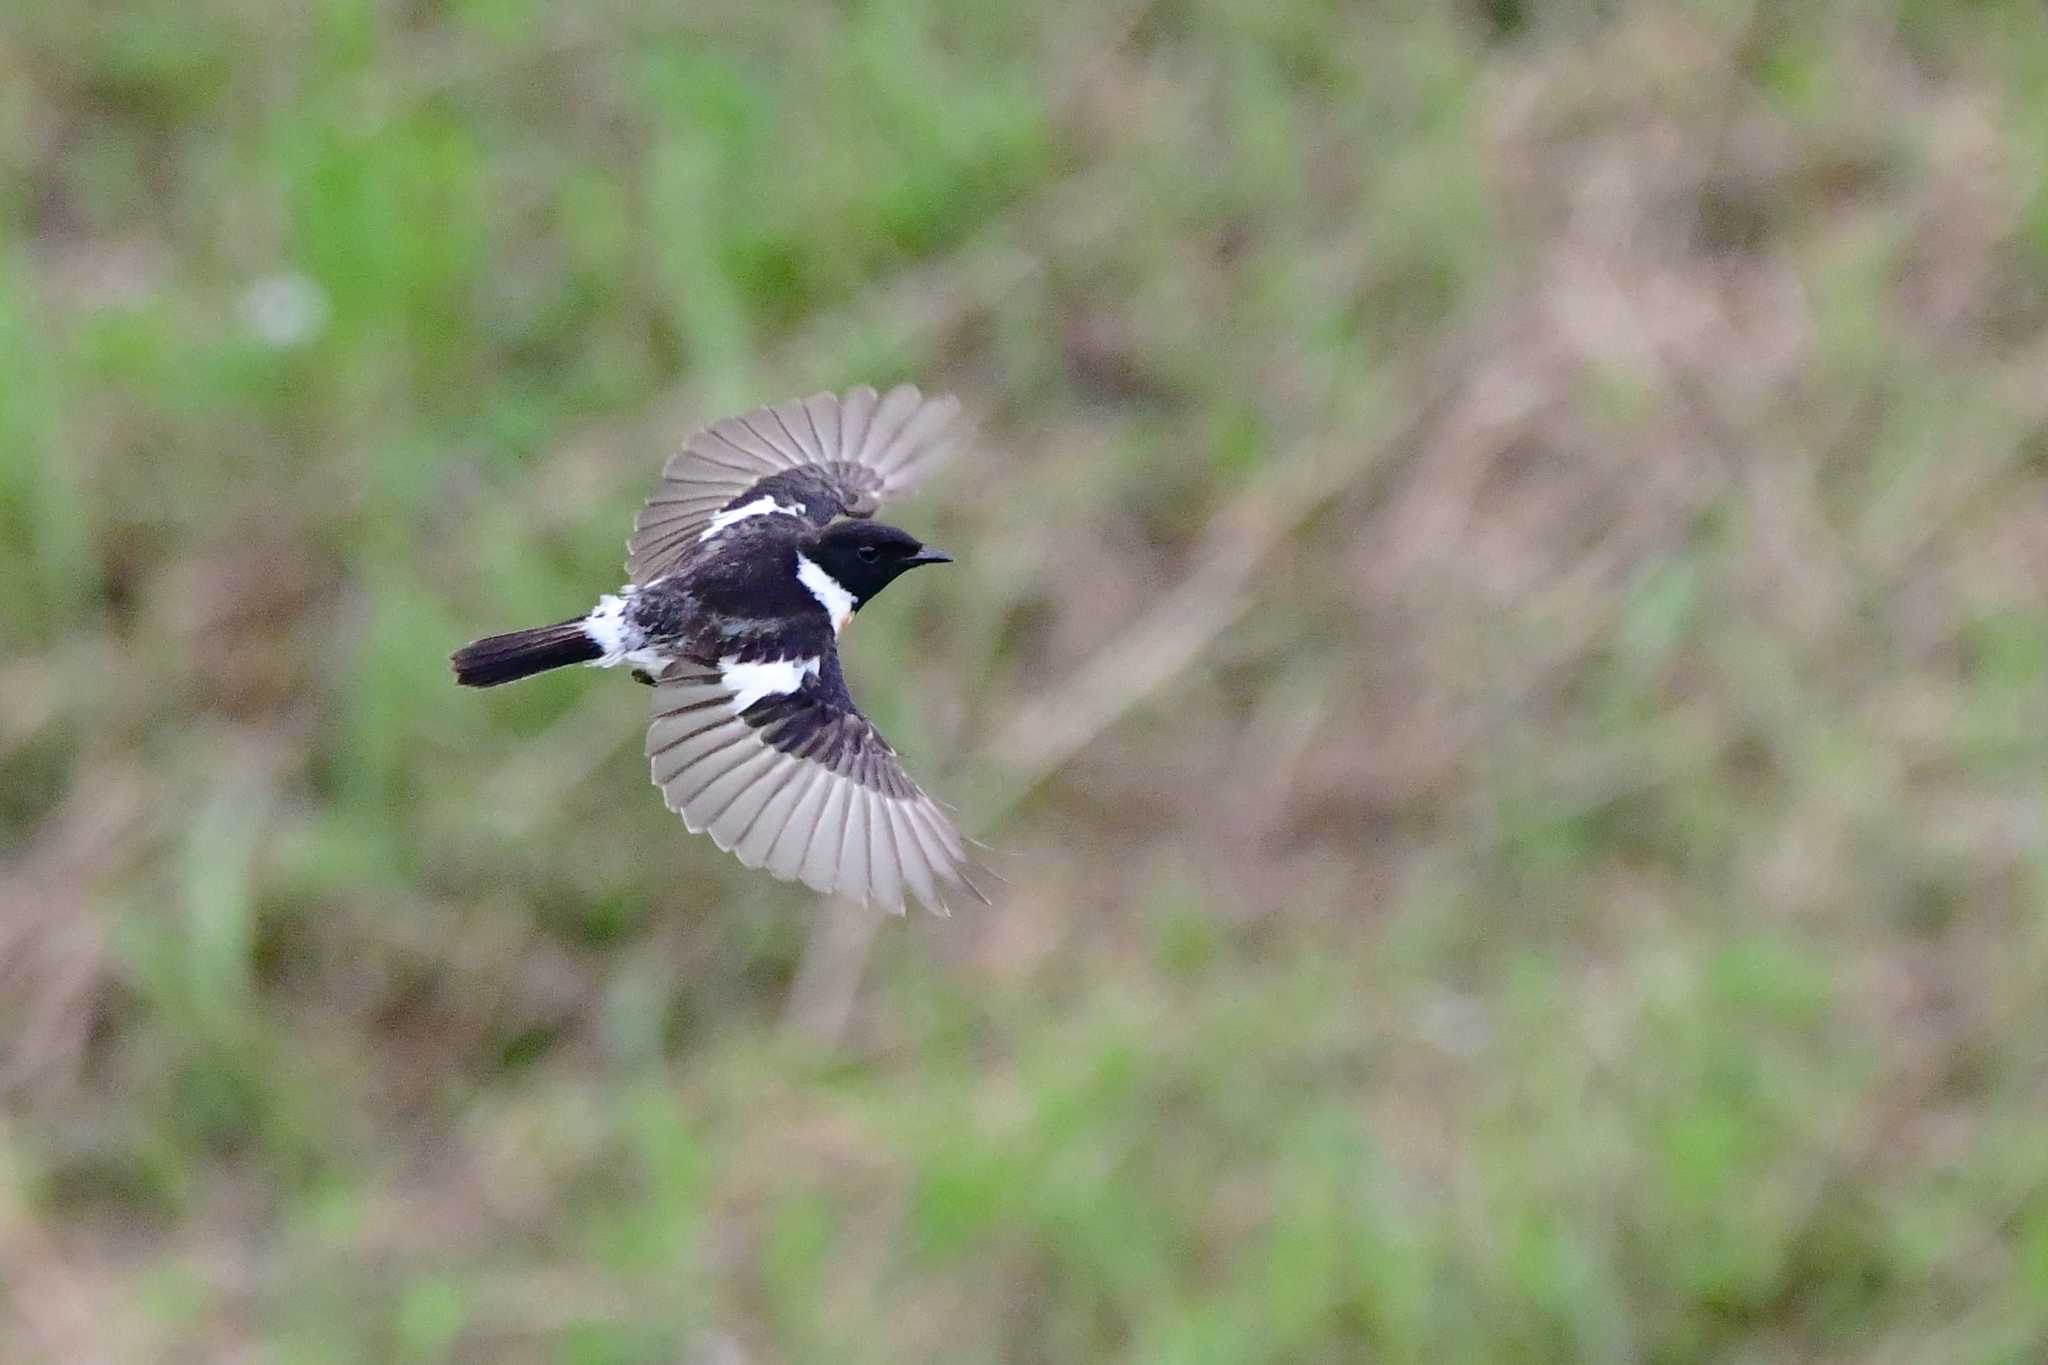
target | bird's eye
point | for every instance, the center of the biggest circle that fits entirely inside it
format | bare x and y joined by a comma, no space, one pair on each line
868,554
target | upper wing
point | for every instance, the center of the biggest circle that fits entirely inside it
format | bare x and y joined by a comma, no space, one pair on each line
799,782
821,457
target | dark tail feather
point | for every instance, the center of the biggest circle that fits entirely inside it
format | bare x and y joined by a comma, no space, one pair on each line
507,658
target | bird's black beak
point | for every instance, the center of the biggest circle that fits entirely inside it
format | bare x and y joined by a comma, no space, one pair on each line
928,555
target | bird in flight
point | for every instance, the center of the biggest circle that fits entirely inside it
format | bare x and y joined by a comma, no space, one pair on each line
752,554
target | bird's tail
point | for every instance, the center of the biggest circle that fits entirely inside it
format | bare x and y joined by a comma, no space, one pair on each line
521,653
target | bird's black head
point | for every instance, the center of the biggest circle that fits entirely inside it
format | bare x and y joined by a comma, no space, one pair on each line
864,557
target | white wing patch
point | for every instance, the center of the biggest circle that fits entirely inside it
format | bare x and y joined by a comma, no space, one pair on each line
760,507
751,682
837,601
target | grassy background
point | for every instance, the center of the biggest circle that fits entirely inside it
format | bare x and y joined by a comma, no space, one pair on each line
1501,634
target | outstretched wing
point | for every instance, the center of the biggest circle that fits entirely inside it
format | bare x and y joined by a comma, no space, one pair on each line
775,763
819,457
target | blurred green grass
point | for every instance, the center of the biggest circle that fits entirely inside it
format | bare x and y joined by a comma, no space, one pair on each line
1560,876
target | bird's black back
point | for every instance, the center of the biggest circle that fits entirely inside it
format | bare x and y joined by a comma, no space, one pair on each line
737,595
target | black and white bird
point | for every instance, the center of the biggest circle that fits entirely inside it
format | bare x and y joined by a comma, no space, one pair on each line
751,556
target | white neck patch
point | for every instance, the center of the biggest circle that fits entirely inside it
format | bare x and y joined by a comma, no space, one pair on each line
837,601
760,507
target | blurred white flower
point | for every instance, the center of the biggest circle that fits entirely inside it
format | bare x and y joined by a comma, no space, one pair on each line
285,310
1455,1022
